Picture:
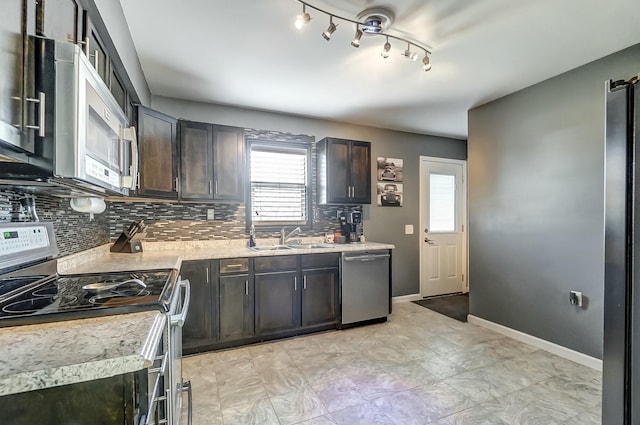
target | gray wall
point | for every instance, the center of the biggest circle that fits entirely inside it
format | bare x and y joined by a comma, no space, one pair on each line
381,224
536,170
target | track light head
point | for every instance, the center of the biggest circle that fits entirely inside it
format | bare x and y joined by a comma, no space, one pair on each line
330,29
356,39
426,63
412,56
385,49
303,19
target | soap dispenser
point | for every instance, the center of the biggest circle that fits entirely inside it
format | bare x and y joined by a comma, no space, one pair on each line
252,236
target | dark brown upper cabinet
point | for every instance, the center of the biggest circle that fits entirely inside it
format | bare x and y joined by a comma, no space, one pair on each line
196,160
211,162
59,19
158,150
344,171
95,48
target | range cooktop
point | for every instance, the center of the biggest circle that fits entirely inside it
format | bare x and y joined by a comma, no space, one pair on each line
36,299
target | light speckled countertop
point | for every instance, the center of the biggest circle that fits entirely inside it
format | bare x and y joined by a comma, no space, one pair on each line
46,355
163,255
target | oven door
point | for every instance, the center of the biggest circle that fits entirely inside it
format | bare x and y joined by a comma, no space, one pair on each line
176,322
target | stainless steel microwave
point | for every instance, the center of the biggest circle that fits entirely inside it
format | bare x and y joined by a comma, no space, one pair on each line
86,135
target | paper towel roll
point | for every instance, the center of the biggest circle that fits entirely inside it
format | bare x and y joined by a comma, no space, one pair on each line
88,205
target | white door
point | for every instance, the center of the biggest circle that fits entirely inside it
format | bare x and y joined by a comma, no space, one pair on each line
442,221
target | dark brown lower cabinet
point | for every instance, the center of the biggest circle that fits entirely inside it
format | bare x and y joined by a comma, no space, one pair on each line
238,300
320,297
277,302
236,307
199,330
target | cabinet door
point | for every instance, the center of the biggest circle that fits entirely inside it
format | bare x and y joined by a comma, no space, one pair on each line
360,164
117,88
338,181
319,297
95,49
59,19
235,307
277,302
196,175
157,141
198,328
228,165
11,73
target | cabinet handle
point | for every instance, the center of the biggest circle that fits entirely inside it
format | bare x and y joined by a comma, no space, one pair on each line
216,187
138,180
207,271
41,113
304,282
246,287
234,266
176,181
295,283
95,59
210,187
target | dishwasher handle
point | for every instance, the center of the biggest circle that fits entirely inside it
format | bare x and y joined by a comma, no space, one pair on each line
366,257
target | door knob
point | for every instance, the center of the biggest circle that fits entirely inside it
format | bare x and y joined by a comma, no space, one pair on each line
429,241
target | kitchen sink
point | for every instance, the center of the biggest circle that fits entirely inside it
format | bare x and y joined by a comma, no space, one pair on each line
270,248
311,246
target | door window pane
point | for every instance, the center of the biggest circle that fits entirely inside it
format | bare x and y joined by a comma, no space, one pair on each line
442,203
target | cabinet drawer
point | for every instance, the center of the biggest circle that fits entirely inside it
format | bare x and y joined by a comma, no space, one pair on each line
312,261
274,264
234,265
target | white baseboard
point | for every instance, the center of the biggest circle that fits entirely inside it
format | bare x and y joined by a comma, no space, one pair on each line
406,298
556,349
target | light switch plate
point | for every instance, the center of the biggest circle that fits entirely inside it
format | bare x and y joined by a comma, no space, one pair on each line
408,229
210,214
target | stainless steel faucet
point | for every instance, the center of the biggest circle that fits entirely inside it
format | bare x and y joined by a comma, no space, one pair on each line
284,239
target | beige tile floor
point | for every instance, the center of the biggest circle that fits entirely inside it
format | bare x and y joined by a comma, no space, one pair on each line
418,368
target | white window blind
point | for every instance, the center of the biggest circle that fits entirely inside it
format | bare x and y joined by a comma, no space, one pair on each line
278,184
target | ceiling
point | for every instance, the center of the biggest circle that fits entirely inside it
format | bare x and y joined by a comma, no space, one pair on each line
248,53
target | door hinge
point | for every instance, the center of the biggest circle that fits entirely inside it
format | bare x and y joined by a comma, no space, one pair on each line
463,277
463,227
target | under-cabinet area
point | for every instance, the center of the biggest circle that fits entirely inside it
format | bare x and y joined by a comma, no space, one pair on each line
243,300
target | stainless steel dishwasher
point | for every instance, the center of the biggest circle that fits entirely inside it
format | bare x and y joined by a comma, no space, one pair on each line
365,291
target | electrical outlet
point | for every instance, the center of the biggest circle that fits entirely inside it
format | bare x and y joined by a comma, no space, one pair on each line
210,214
575,298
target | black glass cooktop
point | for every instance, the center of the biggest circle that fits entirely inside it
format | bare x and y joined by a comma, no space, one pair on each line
36,299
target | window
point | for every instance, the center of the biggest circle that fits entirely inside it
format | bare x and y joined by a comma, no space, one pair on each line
279,183
442,203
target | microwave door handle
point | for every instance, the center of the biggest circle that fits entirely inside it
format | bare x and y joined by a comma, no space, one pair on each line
133,168
129,181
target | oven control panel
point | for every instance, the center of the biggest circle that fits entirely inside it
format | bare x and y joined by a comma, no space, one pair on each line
22,243
14,240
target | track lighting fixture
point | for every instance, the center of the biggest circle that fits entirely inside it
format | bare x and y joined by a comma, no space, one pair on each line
426,63
369,22
358,36
385,49
330,29
303,19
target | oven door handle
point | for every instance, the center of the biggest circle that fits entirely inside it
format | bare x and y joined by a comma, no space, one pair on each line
178,319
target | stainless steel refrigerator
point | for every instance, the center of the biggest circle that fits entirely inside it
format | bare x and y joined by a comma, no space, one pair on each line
621,355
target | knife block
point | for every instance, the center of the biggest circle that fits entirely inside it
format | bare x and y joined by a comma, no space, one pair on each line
125,244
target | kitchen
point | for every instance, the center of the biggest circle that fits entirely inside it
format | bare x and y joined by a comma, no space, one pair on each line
171,222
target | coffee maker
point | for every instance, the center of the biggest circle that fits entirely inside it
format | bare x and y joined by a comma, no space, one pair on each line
351,225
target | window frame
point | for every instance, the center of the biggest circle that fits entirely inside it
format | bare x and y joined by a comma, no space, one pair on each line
282,146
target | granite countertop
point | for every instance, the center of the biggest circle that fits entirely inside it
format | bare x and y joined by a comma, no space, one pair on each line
33,357
164,255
